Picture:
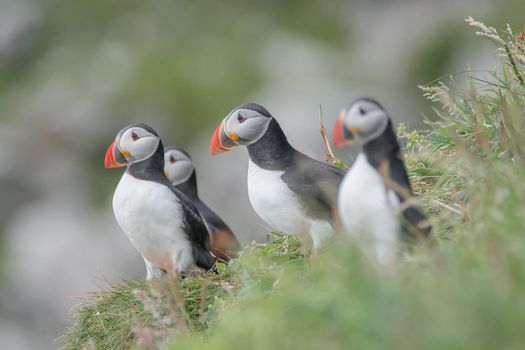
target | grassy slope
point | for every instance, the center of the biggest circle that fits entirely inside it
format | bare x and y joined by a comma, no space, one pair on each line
465,293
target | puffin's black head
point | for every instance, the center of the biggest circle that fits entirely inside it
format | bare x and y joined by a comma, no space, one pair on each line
364,119
243,126
134,143
178,166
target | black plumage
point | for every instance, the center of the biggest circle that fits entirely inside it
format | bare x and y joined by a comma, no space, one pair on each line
151,169
315,183
384,154
223,244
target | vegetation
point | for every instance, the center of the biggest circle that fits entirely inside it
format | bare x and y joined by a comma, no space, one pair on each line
467,292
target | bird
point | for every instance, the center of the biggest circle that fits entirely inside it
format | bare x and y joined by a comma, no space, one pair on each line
160,221
291,192
180,171
374,201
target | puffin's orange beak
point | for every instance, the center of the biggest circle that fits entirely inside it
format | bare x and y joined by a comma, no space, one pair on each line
221,142
342,136
110,160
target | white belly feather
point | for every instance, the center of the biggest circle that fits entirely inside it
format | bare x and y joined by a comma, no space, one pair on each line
279,207
368,211
151,217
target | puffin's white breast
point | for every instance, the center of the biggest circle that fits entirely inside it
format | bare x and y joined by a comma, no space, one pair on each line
367,210
151,216
279,207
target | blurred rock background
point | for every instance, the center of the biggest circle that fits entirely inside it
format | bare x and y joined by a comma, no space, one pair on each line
72,73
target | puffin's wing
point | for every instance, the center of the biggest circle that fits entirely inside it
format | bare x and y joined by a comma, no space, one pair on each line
316,183
416,222
419,225
224,245
197,232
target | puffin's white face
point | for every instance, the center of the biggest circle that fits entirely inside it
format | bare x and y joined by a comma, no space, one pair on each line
243,126
132,144
137,144
178,167
365,120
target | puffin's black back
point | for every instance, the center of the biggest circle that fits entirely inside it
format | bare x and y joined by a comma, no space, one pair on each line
220,233
385,152
317,185
196,229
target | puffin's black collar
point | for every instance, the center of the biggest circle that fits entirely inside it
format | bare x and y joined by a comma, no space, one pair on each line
272,151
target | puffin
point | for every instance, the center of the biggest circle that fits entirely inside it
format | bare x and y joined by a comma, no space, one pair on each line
291,192
179,169
161,222
374,201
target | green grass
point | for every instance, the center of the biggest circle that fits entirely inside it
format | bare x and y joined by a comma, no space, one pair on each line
466,292
116,317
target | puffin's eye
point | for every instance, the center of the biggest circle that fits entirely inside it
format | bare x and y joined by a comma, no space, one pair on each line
362,111
134,136
240,118
172,159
